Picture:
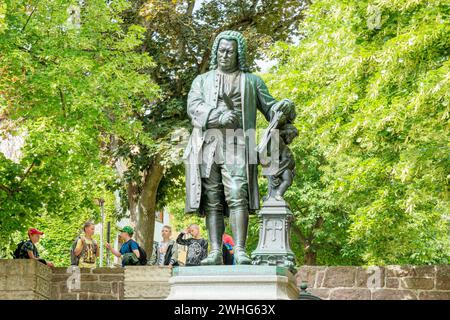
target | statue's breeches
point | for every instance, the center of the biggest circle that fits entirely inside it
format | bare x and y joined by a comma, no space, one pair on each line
226,182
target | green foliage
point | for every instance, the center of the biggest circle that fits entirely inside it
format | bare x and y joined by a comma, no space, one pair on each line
71,82
370,80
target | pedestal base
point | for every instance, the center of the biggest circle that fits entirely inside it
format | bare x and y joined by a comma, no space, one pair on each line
243,282
274,248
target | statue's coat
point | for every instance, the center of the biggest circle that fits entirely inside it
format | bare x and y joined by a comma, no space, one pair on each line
202,99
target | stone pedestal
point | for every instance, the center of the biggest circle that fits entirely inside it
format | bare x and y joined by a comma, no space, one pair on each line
243,282
146,282
274,247
24,279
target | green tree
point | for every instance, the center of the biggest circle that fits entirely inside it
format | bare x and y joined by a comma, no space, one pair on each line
72,84
370,80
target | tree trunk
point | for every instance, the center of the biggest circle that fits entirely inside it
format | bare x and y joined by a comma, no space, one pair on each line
309,253
143,206
309,257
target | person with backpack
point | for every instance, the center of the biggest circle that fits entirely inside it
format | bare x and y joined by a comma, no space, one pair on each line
27,248
85,251
130,251
165,253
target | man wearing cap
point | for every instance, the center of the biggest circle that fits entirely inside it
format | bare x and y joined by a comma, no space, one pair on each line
129,251
29,250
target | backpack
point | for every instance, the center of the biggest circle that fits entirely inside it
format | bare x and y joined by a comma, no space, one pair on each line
75,260
16,253
142,254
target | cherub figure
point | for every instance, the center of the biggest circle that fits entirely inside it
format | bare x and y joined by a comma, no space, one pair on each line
282,178
280,181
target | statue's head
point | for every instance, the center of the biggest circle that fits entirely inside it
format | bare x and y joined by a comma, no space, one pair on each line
288,133
231,40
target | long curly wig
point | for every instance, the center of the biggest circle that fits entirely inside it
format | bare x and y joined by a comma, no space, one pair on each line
242,49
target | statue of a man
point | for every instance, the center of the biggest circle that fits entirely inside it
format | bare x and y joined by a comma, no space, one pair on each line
220,158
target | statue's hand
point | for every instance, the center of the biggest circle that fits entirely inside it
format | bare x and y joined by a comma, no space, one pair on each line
286,107
228,118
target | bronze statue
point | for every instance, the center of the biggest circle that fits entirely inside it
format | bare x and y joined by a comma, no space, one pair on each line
221,158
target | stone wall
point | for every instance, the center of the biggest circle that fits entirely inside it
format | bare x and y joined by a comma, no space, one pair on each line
147,283
85,283
143,282
28,279
24,280
377,283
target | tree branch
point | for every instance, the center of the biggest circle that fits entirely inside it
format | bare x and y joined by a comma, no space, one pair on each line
9,191
190,8
26,173
29,17
299,233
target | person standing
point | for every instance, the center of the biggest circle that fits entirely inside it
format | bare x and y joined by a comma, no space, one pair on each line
129,251
197,247
28,249
165,253
228,245
86,249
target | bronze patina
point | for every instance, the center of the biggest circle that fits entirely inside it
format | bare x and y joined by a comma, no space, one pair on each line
221,156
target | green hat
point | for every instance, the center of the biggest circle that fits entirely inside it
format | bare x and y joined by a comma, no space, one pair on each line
128,230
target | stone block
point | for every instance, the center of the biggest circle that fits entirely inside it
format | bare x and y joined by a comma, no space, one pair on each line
393,294
225,283
43,286
425,271
443,277
308,274
417,283
350,294
392,283
20,295
371,277
20,282
99,296
42,270
115,287
434,295
106,270
89,277
399,271
121,291
57,277
320,275
54,292
146,290
2,282
410,271
69,296
96,287
339,277
322,293
23,267
83,296
147,273
59,270
111,277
